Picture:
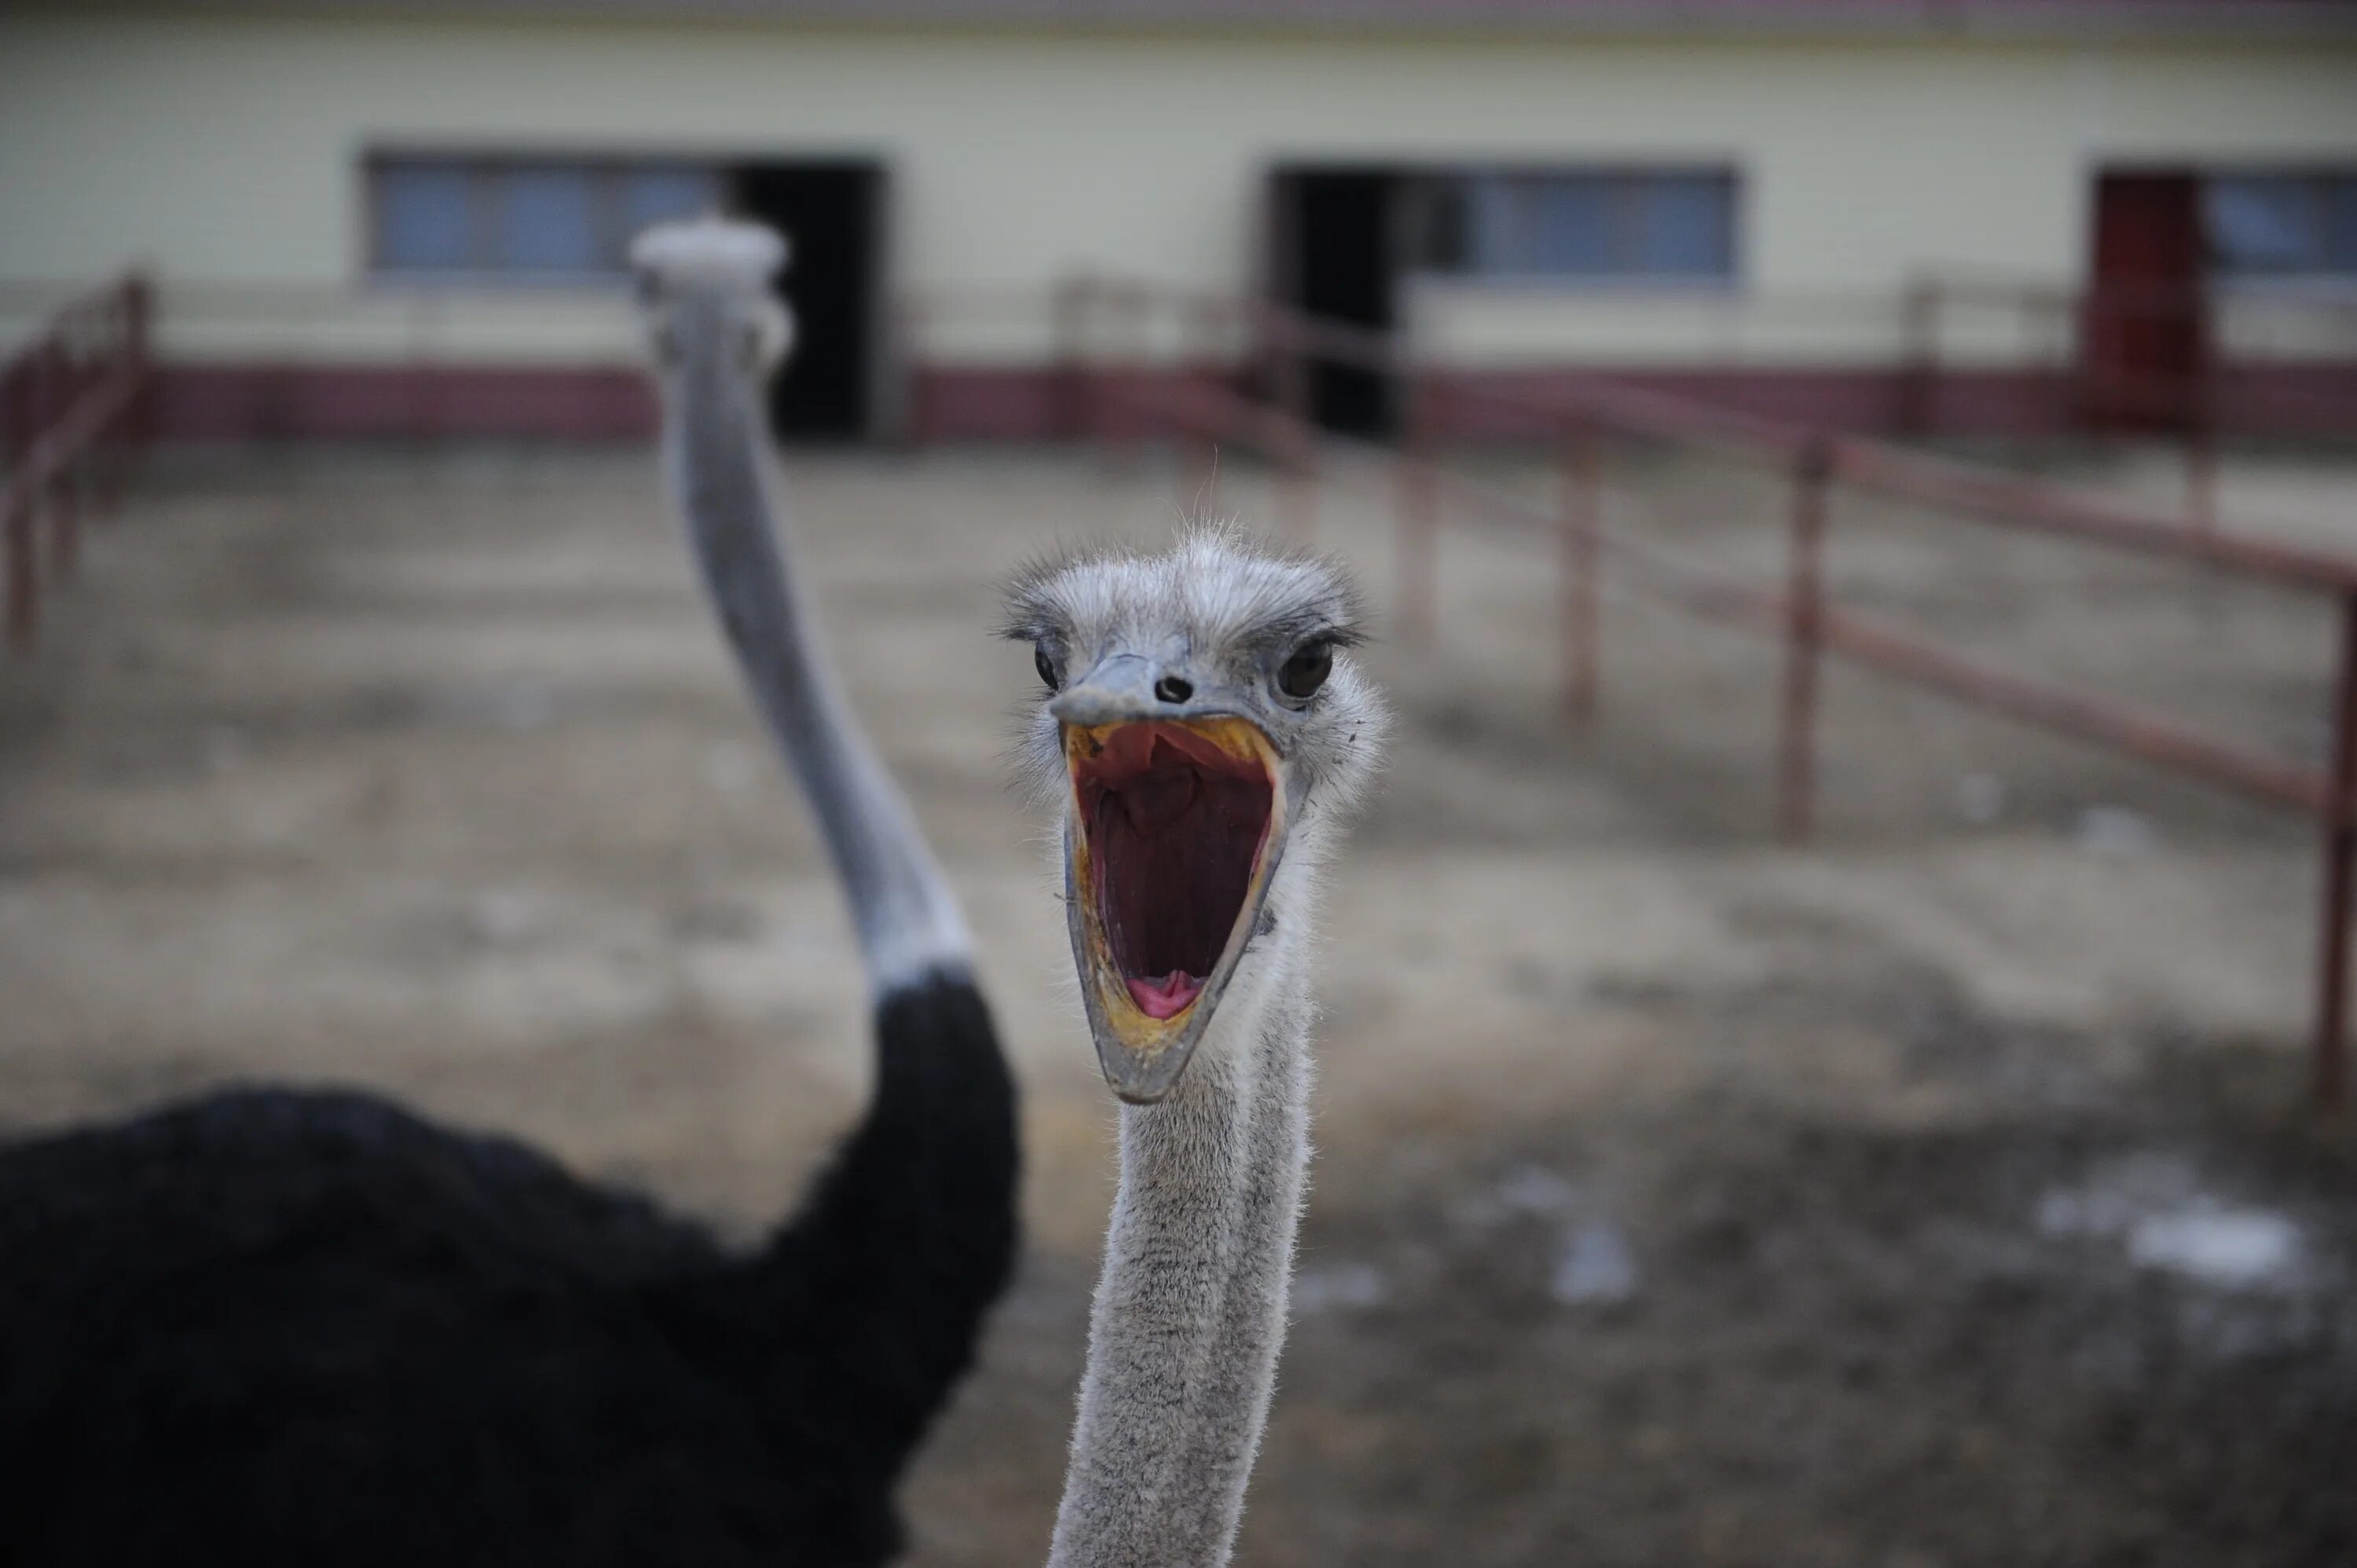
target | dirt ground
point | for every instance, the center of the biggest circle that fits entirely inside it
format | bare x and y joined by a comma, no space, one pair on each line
1938,1193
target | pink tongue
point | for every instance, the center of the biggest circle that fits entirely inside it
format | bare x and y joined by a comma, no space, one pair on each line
1166,997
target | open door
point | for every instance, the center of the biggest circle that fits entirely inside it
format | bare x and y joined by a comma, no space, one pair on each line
1334,252
832,214
2144,328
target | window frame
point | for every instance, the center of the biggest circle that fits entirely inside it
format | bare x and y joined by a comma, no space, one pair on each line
2331,283
485,173
1628,174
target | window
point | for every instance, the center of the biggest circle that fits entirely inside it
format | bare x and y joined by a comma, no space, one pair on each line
1604,227
2281,225
424,220
526,220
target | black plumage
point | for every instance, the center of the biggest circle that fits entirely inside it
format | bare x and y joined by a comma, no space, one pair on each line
268,1322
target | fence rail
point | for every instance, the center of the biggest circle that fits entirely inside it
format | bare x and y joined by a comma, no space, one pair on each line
1124,405
75,398
2241,354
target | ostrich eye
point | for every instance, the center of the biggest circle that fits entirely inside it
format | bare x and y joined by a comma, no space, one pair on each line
1046,666
1307,670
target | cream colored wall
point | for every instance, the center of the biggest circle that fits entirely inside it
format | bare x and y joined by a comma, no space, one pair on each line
1864,325
227,151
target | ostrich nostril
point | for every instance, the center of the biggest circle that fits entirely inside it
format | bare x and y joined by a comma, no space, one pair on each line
1174,689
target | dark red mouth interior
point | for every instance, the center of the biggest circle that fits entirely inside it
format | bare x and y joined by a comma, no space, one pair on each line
1175,824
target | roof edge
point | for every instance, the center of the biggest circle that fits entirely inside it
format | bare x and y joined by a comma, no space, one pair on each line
2258,21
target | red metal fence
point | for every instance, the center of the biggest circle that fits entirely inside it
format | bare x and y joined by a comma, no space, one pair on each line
1124,405
2255,360
72,409
73,405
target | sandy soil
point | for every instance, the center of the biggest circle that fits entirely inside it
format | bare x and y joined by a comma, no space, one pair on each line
1939,1194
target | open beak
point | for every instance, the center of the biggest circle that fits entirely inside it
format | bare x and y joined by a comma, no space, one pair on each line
1176,827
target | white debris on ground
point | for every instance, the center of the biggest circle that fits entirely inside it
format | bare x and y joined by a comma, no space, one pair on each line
1594,1264
1526,1192
1324,1287
2241,1248
2155,1207
1596,1267
2115,830
2116,1194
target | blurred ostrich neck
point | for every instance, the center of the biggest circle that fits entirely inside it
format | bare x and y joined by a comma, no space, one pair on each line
1190,1308
715,445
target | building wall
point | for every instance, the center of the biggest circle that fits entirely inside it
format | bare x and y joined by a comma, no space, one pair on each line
226,152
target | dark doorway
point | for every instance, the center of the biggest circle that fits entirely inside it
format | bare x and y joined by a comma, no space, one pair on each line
2143,327
1333,254
831,214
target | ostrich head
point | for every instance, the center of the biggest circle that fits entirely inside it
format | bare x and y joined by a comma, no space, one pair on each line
704,289
1203,731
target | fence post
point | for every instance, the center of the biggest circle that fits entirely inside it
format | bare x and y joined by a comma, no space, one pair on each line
1804,630
110,374
2201,432
23,586
69,364
1419,504
2201,475
1288,363
1196,390
2095,329
2340,850
1065,311
139,349
125,378
1208,324
1300,498
1123,423
908,331
1102,313
1583,519
13,423
24,501
429,403
1088,407
93,352
1195,434
1289,385
1920,398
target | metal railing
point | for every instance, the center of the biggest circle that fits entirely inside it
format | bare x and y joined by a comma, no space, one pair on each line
2247,349
1126,406
75,401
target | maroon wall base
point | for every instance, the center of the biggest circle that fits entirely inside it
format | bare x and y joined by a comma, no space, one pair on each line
1862,402
1030,404
1010,404
300,402
250,402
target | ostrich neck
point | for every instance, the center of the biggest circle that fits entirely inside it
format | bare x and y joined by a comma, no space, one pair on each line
716,447
1190,1308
